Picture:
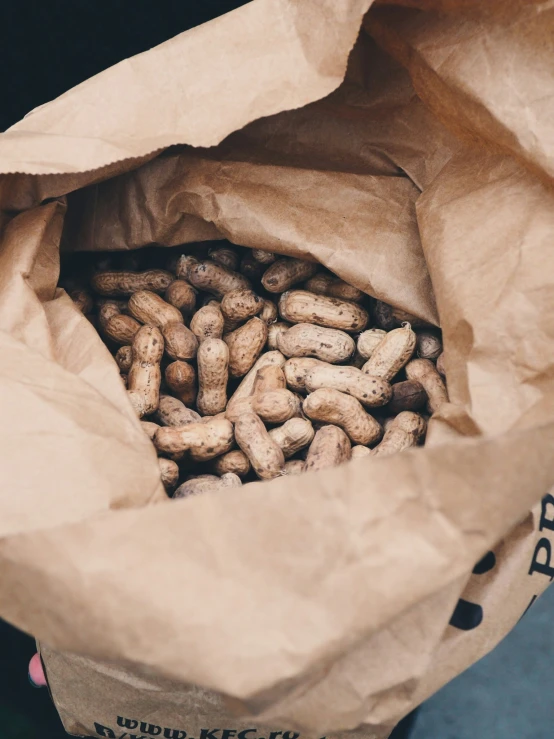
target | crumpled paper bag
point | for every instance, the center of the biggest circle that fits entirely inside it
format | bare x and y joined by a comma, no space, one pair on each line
344,599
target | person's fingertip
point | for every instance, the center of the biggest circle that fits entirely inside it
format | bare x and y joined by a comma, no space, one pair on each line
36,674
32,684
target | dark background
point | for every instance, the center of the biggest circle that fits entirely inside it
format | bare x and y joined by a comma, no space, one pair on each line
49,47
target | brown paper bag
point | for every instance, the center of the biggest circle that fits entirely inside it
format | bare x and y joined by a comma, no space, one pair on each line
342,600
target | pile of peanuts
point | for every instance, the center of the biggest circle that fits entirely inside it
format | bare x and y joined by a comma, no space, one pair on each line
242,364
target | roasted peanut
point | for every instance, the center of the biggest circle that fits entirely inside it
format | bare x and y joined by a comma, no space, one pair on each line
334,287
286,272
402,316
149,428
147,307
370,391
145,374
330,447
265,455
246,387
207,323
280,406
382,313
387,317
441,369
82,300
276,406
214,278
393,353
213,373
120,328
196,485
180,378
429,345
180,342
369,340
306,340
360,451
293,435
184,264
181,295
241,304
296,369
334,407
203,441
263,257
234,411
235,461
230,480
245,346
294,467
117,327
269,312
425,372
270,377
301,306
405,430
406,396
225,256
113,284
173,412
206,484
121,305
274,331
229,325
250,268
169,472
124,358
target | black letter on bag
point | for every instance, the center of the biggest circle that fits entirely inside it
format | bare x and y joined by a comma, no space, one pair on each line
209,733
127,723
546,523
174,734
103,731
244,733
468,615
536,566
150,729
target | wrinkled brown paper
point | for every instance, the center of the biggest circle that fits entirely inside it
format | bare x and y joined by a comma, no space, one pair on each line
424,178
